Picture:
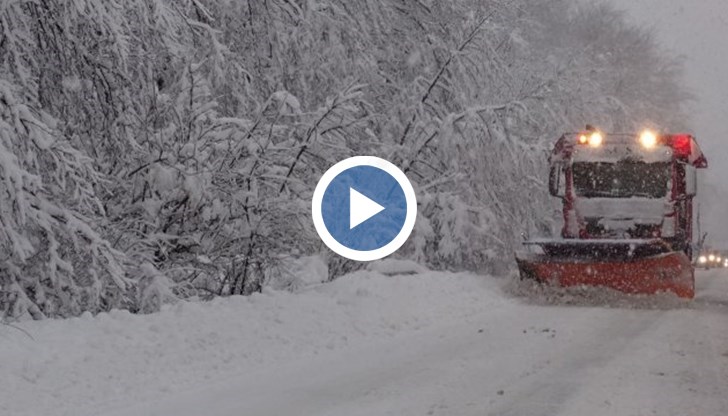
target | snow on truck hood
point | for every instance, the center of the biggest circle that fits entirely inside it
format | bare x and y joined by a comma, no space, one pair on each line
637,210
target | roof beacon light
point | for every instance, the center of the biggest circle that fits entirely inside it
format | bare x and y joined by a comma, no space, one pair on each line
682,144
648,139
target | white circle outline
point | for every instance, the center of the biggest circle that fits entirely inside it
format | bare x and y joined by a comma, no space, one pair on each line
409,196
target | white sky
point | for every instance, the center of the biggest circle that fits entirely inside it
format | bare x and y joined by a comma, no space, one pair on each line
698,30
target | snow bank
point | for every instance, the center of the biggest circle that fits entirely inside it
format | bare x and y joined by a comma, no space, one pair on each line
88,364
392,267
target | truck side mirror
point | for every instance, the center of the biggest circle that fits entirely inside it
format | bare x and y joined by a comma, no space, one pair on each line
691,181
555,185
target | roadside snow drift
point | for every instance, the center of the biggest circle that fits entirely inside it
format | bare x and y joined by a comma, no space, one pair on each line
80,365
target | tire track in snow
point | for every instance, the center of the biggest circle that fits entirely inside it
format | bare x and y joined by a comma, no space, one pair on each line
548,391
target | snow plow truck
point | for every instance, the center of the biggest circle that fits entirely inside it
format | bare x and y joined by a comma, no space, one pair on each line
627,202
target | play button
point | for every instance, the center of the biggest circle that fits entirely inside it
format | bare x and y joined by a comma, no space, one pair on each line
364,208
361,208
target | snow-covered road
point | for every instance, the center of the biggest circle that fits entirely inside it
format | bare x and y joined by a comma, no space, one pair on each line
369,344
513,359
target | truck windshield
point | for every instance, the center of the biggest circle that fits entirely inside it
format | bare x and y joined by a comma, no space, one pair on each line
621,180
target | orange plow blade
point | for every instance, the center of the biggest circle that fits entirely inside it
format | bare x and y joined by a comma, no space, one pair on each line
667,272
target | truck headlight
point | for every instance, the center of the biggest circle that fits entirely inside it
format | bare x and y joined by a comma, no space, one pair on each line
648,139
596,139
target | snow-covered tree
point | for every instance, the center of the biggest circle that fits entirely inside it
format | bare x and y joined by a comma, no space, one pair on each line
159,149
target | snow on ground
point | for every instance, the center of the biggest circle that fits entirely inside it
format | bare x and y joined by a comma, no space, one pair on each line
78,366
373,344
540,294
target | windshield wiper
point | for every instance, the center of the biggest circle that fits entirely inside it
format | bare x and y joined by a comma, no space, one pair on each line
600,194
647,195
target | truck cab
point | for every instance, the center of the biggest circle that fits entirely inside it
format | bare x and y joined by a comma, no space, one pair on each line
627,186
